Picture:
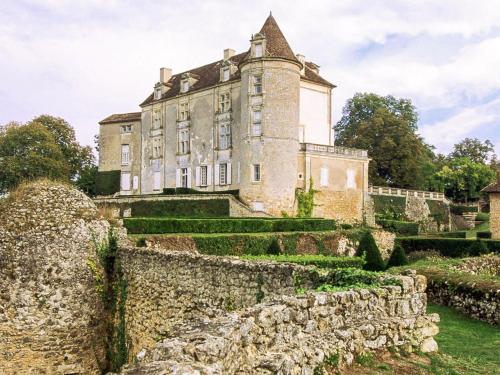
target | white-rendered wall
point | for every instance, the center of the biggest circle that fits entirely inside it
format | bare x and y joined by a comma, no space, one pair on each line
314,116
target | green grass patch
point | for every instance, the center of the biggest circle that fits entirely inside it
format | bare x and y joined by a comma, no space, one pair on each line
312,260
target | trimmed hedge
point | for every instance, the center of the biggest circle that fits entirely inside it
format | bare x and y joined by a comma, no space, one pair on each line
449,247
456,234
460,209
485,234
180,208
107,183
178,191
405,228
483,216
230,225
331,262
386,204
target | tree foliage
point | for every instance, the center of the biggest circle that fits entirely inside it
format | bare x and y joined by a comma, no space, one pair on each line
386,127
398,257
475,150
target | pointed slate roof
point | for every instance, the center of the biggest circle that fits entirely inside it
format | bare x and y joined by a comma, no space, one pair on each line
276,43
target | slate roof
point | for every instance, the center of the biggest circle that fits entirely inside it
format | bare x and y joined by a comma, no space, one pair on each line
121,117
209,75
493,187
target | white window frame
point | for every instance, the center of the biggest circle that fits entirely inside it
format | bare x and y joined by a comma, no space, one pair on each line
224,102
156,119
224,136
125,181
125,154
183,141
257,84
226,74
256,173
203,175
258,49
184,177
185,86
351,179
223,174
184,111
257,122
158,93
157,180
135,182
324,176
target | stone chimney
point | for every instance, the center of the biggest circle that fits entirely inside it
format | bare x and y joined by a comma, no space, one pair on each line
302,60
228,53
165,74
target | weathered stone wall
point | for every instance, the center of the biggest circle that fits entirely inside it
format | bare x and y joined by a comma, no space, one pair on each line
287,334
50,311
495,215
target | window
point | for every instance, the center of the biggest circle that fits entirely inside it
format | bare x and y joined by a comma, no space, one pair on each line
257,123
225,74
158,94
258,50
256,173
224,136
135,183
156,120
184,177
324,176
156,152
257,85
156,181
351,179
183,111
125,181
223,174
125,155
224,102
185,86
203,175
126,128
183,141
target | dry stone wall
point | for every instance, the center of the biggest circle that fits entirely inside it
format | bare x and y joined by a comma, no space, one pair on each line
50,310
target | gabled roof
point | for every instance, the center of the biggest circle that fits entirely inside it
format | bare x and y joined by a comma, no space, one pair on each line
122,117
311,75
276,43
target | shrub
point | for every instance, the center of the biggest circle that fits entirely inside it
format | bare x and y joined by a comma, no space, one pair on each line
483,234
483,216
400,227
321,261
478,248
179,208
229,225
439,210
305,201
389,207
141,242
460,209
369,249
448,247
274,248
456,234
107,183
398,257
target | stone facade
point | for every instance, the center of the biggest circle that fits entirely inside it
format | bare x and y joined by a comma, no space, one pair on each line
227,316
50,312
495,215
251,130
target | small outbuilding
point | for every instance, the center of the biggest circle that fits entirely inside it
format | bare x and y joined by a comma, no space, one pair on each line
493,190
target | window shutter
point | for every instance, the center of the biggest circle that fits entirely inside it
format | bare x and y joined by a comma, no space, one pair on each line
238,178
177,177
216,174
351,179
209,175
324,177
197,179
228,172
135,183
156,180
189,177
125,181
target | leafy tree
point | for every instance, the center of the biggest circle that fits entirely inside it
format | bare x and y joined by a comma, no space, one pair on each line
86,181
386,127
369,249
475,150
29,152
398,257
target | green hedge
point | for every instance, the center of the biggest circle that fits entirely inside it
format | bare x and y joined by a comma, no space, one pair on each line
230,225
460,209
332,262
456,234
449,247
485,234
405,228
394,206
177,191
107,183
483,216
180,208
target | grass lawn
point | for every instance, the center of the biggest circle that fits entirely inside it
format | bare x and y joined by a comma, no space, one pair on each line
483,227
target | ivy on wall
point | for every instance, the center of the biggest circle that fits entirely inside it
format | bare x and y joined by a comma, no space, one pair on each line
305,201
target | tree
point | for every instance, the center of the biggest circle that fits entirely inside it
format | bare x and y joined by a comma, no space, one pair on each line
28,152
369,249
475,150
86,181
386,127
398,257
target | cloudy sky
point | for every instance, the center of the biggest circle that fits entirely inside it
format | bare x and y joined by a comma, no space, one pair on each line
83,60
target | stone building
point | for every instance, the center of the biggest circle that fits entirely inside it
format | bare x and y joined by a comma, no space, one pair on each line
494,192
258,122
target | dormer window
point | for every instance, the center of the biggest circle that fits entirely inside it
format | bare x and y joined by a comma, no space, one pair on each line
225,74
158,93
185,86
258,49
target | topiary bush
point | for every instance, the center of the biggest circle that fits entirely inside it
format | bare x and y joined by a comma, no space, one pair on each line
369,250
274,248
398,257
478,248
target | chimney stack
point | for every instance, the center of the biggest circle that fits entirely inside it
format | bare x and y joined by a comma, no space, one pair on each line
228,53
302,60
165,74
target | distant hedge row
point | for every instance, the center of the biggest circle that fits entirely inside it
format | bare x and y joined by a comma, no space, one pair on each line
449,247
178,208
107,183
229,225
460,209
332,262
405,228
184,191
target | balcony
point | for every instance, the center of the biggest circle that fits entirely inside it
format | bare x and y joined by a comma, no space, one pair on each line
334,150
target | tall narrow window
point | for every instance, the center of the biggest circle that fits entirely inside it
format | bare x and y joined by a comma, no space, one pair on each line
125,154
258,50
183,141
256,172
224,102
223,174
125,181
257,123
156,180
323,177
185,86
203,175
225,74
183,111
257,84
184,177
224,136
156,119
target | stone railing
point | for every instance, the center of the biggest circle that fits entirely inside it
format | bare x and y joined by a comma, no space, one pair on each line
335,150
384,190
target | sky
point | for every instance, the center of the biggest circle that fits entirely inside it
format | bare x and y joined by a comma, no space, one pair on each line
84,60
